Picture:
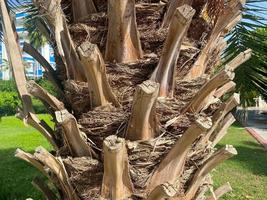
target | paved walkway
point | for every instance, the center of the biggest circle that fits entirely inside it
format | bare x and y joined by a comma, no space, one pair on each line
257,125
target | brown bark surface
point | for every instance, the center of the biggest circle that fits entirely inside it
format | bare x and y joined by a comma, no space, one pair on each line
123,42
131,124
142,124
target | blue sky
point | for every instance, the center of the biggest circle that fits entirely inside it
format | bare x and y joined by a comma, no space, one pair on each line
262,14
262,4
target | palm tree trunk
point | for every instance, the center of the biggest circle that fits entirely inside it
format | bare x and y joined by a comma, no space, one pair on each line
128,124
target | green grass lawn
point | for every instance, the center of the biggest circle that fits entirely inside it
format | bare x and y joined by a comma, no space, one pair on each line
16,175
246,172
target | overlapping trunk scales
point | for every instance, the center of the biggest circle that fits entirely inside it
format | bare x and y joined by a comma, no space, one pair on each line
219,192
37,91
73,138
228,87
163,191
116,183
217,81
150,154
226,20
218,116
82,9
40,185
165,71
218,157
143,123
95,72
51,167
221,131
172,5
123,42
175,159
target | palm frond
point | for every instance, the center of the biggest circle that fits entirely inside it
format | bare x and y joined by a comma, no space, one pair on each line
32,20
14,6
251,32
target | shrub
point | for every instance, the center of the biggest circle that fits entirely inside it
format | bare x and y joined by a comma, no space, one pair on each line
9,102
9,99
47,85
38,106
7,86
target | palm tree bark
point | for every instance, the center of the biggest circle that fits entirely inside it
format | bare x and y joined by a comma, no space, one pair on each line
132,124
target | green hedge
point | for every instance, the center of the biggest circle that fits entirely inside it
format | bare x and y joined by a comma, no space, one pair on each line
10,86
10,101
7,86
48,86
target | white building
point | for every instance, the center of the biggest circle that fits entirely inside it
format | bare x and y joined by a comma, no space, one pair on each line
261,104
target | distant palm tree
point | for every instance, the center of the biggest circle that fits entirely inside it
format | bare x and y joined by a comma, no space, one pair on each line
251,32
4,65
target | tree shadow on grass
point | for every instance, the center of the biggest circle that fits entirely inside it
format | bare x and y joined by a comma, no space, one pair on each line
252,144
15,177
251,156
236,124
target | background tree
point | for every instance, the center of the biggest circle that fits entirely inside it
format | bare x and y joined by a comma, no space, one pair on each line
250,33
140,107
